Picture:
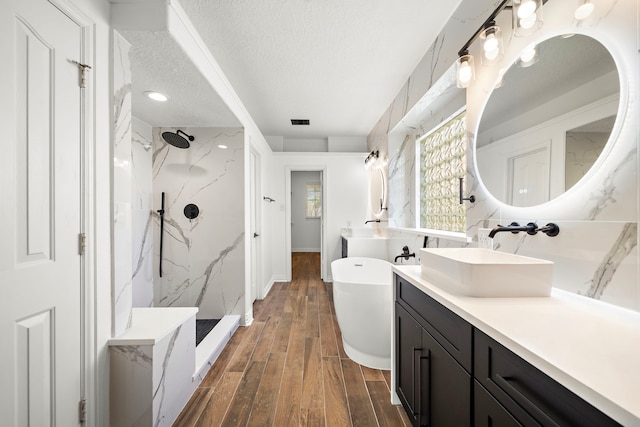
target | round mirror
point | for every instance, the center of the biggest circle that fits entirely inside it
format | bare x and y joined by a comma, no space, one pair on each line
548,120
377,191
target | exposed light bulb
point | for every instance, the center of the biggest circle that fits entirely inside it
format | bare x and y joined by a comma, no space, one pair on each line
491,54
529,21
490,43
527,7
465,72
528,55
583,11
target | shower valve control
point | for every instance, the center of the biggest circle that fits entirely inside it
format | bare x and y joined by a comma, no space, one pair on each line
191,211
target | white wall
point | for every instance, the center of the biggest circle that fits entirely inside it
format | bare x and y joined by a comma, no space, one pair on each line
345,198
305,232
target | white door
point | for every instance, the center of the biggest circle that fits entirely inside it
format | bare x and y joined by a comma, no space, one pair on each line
40,266
530,178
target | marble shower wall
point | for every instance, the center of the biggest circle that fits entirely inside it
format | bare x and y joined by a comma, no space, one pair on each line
121,293
141,199
203,259
596,252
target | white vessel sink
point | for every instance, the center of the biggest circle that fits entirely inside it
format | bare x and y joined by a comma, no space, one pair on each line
362,232
485,273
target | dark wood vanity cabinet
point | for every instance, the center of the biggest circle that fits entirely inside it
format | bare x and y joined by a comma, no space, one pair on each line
449,373
435,389
526,393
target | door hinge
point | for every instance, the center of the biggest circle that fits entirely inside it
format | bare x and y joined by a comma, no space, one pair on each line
83,73
82,243
82,411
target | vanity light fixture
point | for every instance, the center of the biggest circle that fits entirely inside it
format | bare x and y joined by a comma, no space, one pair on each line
465,71
584,10
371,158
156,96
526,16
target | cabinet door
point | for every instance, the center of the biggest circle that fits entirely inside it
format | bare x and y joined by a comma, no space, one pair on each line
408,347
445,387
487,412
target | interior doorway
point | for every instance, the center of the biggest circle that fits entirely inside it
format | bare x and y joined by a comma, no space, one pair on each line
306,213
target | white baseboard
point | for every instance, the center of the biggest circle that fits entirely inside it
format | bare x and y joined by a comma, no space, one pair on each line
305,249
266,291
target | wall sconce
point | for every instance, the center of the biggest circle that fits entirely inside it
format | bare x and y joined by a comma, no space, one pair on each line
492,49
372,157
465,70
584,10
527,17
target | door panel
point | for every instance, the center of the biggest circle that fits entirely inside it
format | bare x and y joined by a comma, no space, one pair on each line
40,274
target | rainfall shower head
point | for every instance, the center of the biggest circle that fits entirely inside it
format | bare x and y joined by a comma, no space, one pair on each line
176,140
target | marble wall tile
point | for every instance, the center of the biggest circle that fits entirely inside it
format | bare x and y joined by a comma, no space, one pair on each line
142,236
122,299
596,252
203,259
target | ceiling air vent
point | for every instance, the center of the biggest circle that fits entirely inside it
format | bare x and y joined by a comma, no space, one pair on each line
300,122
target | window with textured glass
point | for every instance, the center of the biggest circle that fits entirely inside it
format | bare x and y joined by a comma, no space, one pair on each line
442,163
314,200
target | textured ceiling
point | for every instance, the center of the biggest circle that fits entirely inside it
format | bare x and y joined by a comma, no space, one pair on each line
158,64
338,63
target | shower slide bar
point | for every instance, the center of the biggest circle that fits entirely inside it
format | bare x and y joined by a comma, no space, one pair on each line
161,213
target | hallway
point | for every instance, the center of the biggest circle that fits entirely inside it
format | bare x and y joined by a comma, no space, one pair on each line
289,368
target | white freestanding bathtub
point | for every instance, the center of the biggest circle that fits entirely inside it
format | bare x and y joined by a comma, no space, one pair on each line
362,295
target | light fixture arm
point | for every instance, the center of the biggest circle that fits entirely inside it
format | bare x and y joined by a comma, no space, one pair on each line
485,24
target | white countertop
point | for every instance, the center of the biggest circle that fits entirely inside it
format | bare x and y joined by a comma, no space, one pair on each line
152,324
590,347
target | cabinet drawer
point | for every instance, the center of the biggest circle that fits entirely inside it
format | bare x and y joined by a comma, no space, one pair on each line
450,330
528,394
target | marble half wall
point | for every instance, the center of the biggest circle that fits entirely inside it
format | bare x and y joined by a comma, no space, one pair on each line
596,253
203,259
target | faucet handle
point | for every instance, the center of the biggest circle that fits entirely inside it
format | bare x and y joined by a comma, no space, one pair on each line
550,229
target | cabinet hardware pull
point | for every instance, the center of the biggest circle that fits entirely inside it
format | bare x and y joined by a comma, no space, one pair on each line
510,386
416,377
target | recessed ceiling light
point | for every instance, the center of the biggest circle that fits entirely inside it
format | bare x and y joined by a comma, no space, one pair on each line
156,96
224,147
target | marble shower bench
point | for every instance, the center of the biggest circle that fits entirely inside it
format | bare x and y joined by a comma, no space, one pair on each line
156,367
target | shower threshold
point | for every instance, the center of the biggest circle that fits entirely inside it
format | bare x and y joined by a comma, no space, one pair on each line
203,327
211,345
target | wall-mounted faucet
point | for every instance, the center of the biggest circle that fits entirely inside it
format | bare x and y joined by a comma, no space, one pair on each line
531,228
405,254
372,220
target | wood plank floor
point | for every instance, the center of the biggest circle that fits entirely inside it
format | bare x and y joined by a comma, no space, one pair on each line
289,368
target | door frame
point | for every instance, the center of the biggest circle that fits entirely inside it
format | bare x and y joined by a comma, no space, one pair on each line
323,219
255,279
91,389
